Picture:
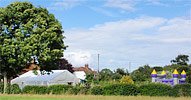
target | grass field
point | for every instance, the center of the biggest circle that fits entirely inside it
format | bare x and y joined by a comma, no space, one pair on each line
85,97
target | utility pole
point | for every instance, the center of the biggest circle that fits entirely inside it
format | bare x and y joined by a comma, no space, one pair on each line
129,67
98,62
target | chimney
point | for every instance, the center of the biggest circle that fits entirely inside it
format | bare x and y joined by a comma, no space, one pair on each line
86,66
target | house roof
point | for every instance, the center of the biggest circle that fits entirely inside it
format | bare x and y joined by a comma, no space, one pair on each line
86,69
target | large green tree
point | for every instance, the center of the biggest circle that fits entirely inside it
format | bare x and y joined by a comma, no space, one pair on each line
142,74
105,74
28,33
181,60
119,73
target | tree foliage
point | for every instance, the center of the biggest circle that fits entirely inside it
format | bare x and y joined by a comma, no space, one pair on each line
119,73
63,64
142,73
105,74
126,80
181,60
27,33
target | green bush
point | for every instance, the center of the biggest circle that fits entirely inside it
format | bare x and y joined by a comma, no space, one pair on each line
74,90
8,88
14,89
97,90
182,90
84,90
1,87
35,90
120,89
156,90
59,89
11,89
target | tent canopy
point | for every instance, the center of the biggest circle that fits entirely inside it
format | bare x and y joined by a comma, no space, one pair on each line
54,77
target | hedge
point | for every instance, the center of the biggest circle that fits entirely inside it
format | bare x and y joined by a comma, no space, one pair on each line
58,89
121,89
182,90
35,90
74,90
156,89
96,90
1,87
84,90
152,89
14,89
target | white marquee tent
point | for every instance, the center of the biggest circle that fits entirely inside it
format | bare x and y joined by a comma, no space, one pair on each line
55,77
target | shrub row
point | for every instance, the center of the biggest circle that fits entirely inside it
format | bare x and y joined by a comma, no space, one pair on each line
11,89
112,89
165,90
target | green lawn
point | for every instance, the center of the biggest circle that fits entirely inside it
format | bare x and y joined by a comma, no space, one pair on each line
85,97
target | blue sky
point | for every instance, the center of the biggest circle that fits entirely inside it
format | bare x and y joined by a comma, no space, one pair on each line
138,31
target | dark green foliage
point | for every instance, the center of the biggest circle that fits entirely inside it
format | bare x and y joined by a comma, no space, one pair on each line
156,90
122,71
74,90
35,90
142,74
58,89
1,87
28,33
11,89
120,89
14,89
105,74
84,90
152,89
90,78
158,68
181,60
79,90
182,90
116,76
97,90
8,89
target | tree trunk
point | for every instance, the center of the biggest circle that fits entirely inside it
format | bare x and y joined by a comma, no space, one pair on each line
5,82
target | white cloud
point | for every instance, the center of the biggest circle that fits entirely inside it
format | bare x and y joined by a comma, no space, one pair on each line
143,40
65,4
156,3
127,5
102,11
131,5
79,58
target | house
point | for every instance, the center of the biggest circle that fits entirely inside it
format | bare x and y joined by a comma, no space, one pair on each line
81,75
81,72
53,78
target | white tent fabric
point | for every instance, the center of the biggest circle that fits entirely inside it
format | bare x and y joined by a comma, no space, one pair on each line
55,77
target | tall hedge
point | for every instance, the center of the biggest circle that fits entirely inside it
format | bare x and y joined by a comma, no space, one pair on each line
14,89
58,89
35,90
120,89
156,89
11,89
84,90
96,90
1,87
151,89
182,90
